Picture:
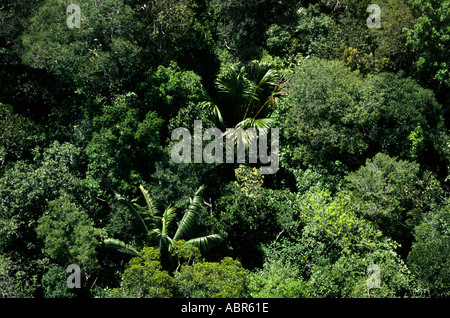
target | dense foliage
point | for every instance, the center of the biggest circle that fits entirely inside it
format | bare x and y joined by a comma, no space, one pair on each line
86,175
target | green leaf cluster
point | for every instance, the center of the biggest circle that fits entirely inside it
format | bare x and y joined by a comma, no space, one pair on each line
86,116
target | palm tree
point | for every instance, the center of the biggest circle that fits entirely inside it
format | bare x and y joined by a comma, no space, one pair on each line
246,97
156,227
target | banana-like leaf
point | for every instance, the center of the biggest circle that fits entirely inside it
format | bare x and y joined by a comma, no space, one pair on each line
168,216
152,211
120,247
189,219
205,243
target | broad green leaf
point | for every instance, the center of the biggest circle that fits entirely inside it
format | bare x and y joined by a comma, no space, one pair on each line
120,247
188,221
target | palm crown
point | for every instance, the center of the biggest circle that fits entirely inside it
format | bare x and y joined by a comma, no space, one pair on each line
246,96
156,226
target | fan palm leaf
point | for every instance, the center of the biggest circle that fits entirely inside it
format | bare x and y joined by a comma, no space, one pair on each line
248,130
263,77
236,92
265,82
234,85
214,111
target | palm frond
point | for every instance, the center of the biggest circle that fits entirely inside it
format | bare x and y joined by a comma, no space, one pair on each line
263,77
188,221
248,130
267,84
213,110
243,134
151,207
168,216
154,235
234,83
262,125
120,247
205,243
236,90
